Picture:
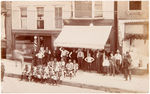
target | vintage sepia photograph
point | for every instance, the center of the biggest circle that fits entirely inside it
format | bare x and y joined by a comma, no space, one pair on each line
90,46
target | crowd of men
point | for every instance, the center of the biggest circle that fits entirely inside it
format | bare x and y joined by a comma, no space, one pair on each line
61,62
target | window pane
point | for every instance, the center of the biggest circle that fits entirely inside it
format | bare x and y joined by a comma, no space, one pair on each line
23,12
24,22
40,24
135,5
58,17
40,11
83,9
98,9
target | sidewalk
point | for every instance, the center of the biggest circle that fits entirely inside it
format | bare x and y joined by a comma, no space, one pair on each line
93,80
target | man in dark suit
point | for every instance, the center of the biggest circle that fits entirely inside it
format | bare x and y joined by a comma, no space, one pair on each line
126,66
2,71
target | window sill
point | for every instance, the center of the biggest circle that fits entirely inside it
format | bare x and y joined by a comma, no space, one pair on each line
134,12
87,18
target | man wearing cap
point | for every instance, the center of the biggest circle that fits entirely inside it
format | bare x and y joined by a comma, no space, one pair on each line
118,59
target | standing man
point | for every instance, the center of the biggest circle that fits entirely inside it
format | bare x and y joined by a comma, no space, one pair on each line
80,57
126,66
97,61
73,55
89,60
40,56
64,54
112,64
2,71
118,59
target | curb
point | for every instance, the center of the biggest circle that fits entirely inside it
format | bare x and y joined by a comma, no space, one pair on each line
87,86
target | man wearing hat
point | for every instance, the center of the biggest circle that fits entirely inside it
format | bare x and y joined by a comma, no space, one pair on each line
118,59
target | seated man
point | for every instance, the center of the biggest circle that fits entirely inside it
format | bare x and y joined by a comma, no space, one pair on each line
69,68
75,67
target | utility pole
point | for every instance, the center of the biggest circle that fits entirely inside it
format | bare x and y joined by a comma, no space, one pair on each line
116,24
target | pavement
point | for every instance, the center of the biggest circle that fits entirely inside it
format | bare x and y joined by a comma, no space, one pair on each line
92,80
10,85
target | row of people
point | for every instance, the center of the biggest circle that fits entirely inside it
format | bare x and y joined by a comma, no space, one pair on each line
52,72
87,59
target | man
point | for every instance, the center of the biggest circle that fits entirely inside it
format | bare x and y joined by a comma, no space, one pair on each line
118,59
106,65
80,57
75,67
126,66
69,67
89,61
73,55
2,71
40,55
64,54
112,64
97,60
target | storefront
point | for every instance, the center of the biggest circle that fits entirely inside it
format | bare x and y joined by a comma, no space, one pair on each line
133,37
32,38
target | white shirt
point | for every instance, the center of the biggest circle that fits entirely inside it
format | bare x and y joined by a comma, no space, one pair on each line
64,53
80,54
75,66
118,57
106,62
69,66
40,55
89,59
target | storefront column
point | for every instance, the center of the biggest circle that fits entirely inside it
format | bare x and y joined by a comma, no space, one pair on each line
35,43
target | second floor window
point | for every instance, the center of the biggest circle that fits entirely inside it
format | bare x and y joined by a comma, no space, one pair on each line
23,11
58,17
135,5
88,9
40,19
98,9
83,9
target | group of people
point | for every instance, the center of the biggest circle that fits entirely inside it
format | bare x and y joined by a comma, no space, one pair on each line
52,72
101,61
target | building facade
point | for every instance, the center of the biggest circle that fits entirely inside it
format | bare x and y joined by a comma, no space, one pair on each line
43,21
133,20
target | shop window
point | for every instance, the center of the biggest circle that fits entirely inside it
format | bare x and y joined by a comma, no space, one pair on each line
23,11
40,19
135,5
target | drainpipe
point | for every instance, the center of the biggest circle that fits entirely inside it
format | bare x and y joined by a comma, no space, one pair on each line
116,24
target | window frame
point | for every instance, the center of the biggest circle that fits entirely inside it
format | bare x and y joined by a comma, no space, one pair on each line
22,17
59,7
93,11
134,10
40,17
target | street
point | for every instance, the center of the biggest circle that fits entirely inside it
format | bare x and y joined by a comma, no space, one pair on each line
13,85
